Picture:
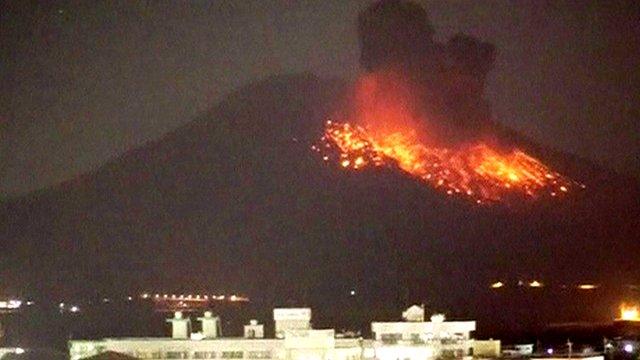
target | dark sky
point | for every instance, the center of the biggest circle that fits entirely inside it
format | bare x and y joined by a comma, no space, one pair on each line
82,82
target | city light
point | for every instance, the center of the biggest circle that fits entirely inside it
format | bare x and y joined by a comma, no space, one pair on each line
629,313
628,348
535,284
587,286
497,285
10,304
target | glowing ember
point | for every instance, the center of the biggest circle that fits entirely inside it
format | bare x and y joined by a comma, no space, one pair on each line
629,313
477,171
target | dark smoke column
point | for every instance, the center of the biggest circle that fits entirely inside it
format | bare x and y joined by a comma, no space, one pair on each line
450,77
394,32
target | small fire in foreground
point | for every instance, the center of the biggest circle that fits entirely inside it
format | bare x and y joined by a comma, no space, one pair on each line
629,313
478,171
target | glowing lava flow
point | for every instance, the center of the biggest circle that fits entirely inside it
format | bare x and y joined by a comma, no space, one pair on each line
478,172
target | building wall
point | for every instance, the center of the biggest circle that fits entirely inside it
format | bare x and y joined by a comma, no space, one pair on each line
265,349
486,348
182,349
408,330
406,341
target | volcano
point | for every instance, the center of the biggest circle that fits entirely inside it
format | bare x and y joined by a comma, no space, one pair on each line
237,201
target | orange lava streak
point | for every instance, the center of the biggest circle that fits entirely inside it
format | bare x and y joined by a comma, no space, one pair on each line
479,171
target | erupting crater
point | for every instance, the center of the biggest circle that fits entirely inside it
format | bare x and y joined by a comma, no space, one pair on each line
478,170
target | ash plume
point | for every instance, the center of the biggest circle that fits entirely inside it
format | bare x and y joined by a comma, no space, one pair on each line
420,106
447,77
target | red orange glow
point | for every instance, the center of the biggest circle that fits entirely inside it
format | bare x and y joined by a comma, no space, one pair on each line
478,171
391,135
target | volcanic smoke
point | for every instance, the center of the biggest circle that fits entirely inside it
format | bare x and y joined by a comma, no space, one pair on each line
387,127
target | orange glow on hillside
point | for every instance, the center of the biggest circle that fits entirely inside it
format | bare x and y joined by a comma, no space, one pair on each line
384,130
478,171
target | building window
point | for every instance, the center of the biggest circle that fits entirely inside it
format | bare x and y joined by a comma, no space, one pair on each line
232,355
145,355
259,355
204,355
177,355
416,339
391,338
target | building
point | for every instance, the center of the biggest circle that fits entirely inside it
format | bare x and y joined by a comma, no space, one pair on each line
295,339
423,340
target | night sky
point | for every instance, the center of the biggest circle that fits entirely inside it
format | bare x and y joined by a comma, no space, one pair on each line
82,82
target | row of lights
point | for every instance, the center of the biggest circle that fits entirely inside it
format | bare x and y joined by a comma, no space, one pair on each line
197,297
15,304
234,298
538,284
10,304
73,308
628,348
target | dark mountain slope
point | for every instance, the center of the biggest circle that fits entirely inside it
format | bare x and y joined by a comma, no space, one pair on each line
236,201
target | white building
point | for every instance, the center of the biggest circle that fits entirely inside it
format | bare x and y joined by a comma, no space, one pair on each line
423,340
291,319
254,330
414,340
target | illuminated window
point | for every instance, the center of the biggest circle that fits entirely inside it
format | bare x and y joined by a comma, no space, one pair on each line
204,355
259,355
416,339
232,355
391,338
177,355
145,355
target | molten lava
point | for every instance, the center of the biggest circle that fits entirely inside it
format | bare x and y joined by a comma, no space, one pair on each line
385,131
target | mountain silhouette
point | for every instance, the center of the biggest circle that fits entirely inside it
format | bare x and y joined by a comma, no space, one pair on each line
235,201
